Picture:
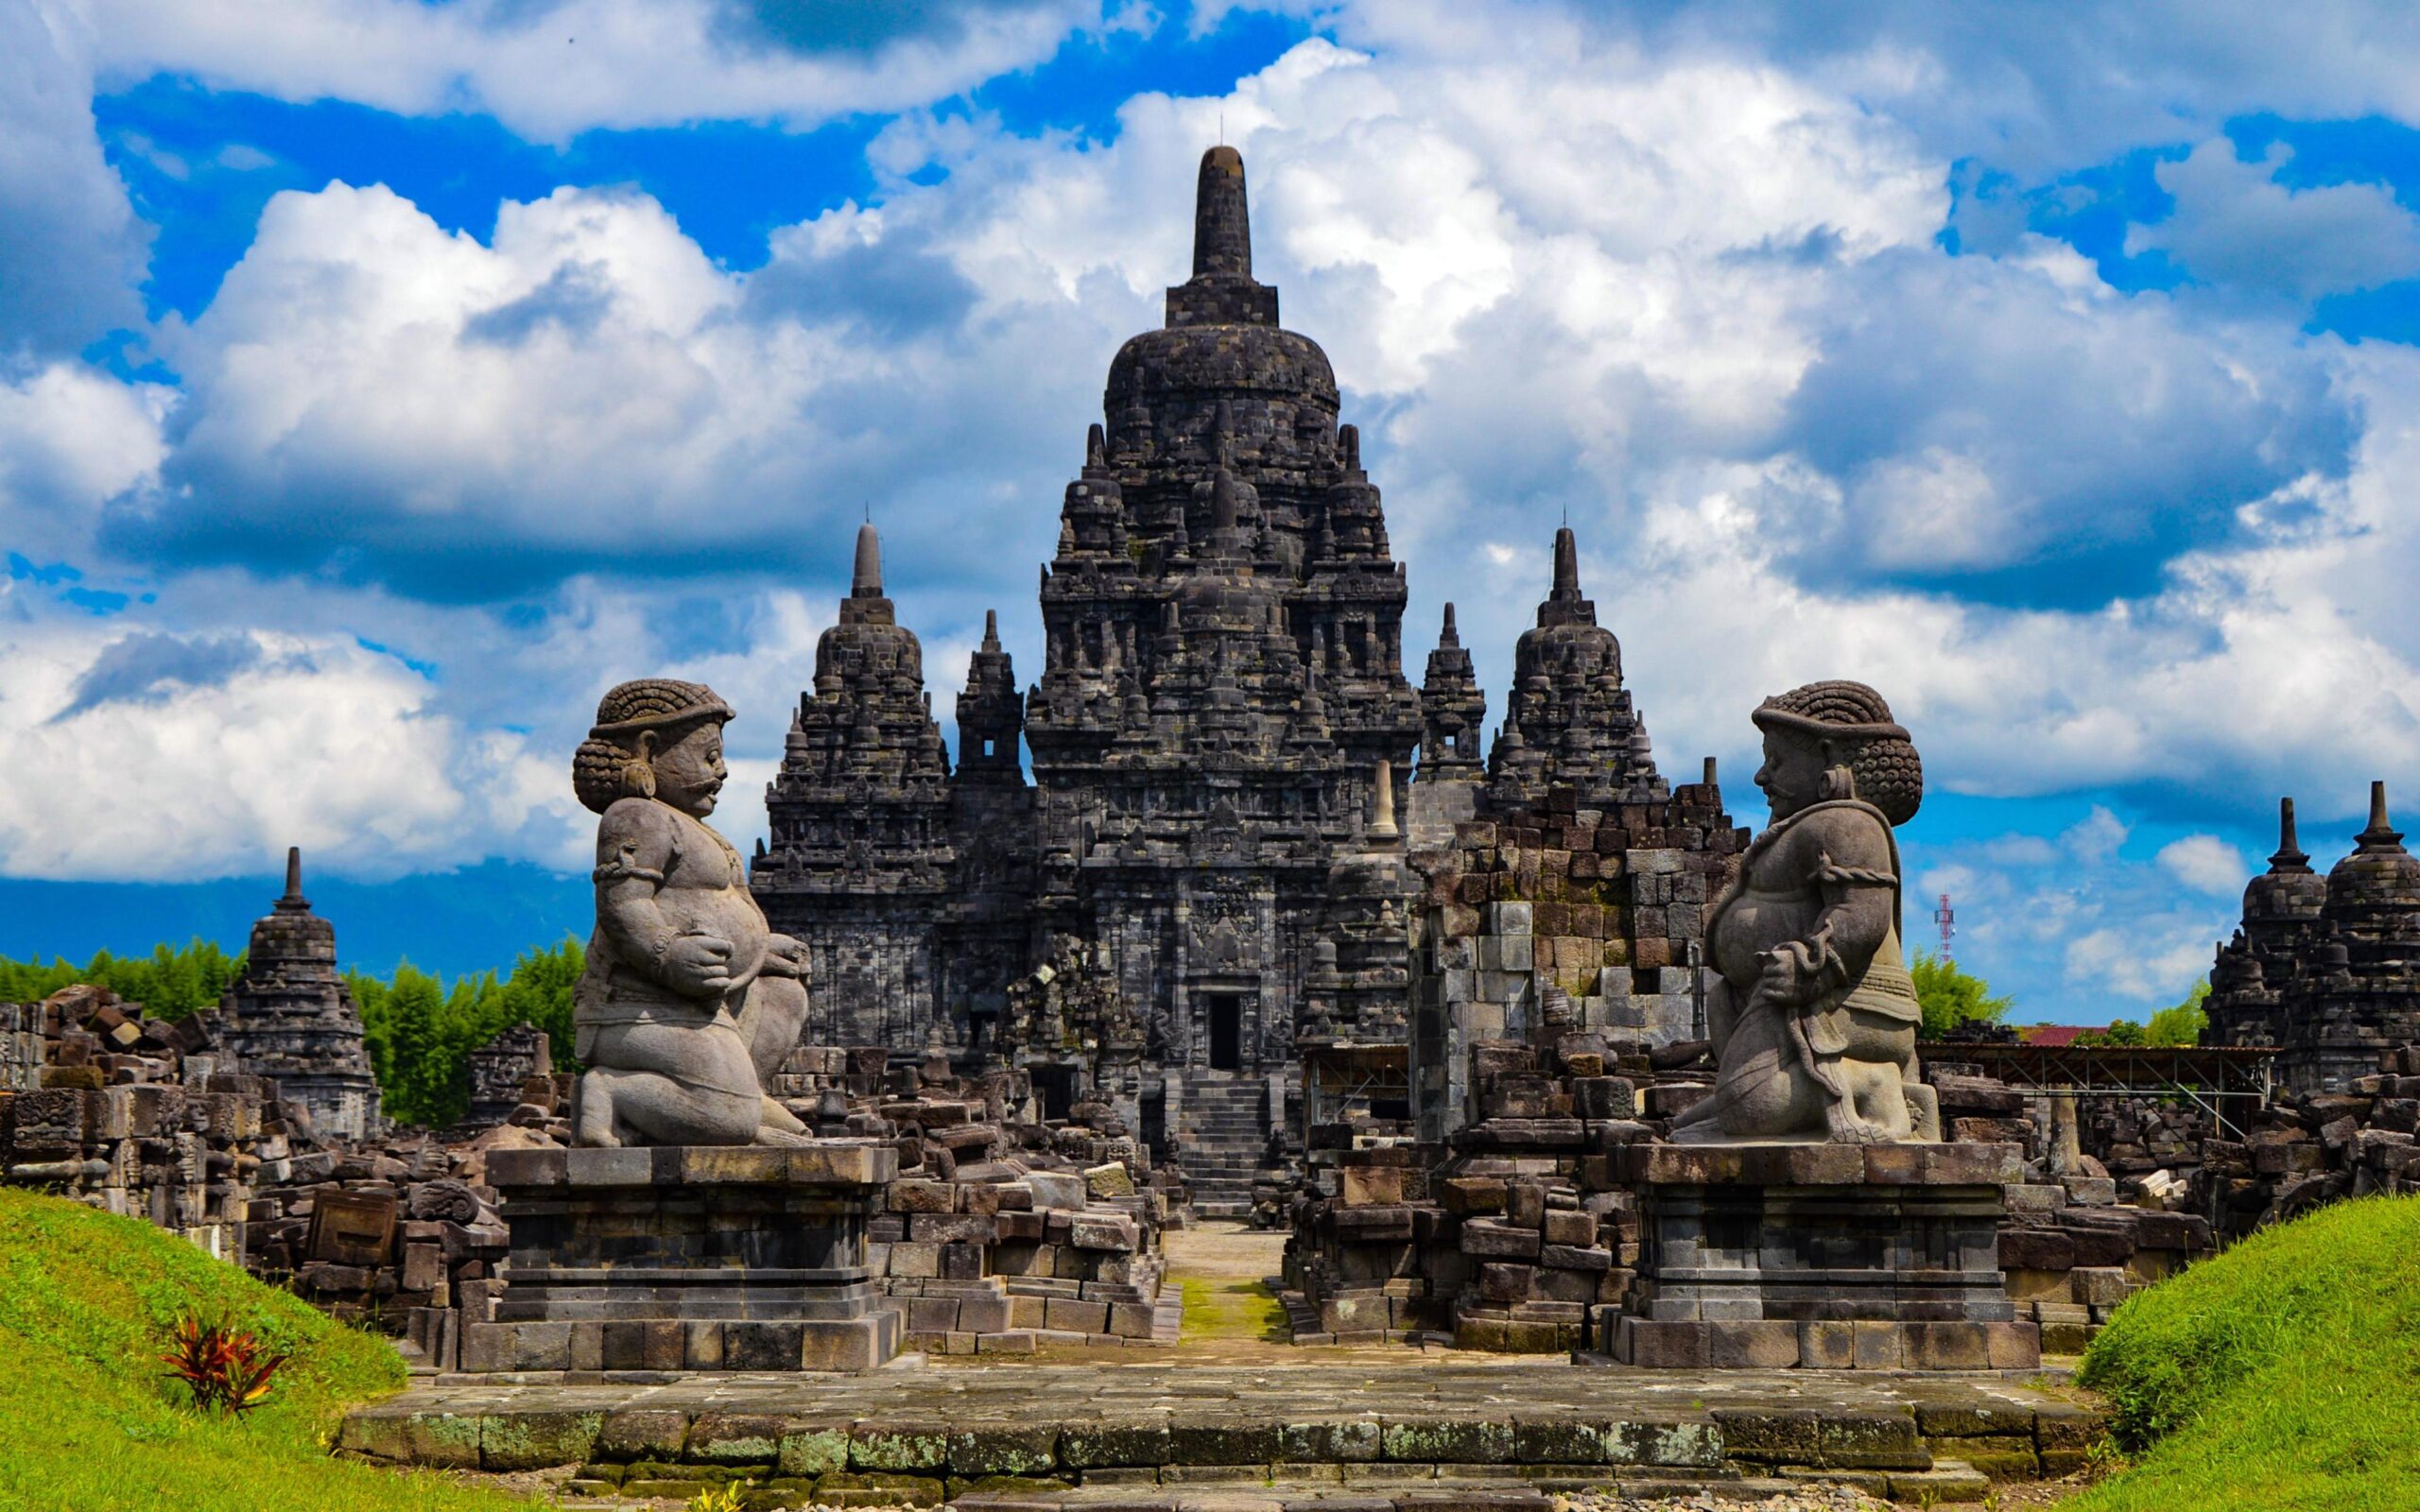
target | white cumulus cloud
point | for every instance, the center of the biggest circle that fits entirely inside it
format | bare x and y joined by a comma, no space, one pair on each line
2203,862
2235,225
184,760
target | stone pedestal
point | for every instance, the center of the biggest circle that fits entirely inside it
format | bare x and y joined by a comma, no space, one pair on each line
688,1258
1821,1256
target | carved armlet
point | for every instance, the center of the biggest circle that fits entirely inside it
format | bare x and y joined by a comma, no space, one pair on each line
1858,876
625,867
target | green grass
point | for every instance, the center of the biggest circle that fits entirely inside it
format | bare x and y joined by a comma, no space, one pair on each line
90,1419
1223,1309
2284,1374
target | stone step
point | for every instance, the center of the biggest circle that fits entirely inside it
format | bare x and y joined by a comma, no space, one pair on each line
1244,1494
1518,1488
1406,1423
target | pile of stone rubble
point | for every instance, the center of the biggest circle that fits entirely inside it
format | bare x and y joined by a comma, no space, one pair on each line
1002,1233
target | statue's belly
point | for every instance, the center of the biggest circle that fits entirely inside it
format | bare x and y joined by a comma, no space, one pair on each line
726,913
1754,923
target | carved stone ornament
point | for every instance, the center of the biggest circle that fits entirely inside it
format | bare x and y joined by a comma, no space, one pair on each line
1814,1016
688,1000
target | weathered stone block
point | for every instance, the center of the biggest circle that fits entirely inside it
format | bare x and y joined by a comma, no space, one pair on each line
1210,1441
1567,1226
751,1346
1757,1345
1487,1237
1447,1441
1075,1316
537,1440
642,1433
1004,1451
1102,1445
899,1447
738,1438
921,1194
732,1165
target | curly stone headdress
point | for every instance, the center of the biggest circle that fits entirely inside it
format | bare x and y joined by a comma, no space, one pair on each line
614,762
1881,758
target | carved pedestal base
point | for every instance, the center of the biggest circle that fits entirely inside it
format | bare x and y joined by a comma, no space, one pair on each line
688,1258
1821,1256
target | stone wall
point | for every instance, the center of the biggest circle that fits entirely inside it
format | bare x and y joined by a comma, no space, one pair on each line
2328,971
1557,920
2310,1148
1521,1231
130,1114
1002,1234
21,1055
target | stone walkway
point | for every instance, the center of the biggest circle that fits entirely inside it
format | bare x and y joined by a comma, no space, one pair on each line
1233,1419
1229,1314
1160,1430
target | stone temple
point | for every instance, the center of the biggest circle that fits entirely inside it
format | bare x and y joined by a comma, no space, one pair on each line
1222,695
291,1019
2327,970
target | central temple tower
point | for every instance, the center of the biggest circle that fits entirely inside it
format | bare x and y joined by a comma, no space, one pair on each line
1224,674
1223,683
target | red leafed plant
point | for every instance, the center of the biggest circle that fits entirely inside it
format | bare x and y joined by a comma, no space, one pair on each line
224,1366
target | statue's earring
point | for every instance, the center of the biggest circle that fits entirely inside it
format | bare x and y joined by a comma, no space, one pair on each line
1839,783
638,773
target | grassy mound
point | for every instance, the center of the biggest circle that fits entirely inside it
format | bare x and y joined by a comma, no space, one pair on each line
90,1419
2278,1375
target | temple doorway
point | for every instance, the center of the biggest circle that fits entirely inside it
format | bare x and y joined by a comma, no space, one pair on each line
1055,1086
1226,1032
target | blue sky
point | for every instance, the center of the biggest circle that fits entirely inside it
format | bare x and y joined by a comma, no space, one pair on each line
378,387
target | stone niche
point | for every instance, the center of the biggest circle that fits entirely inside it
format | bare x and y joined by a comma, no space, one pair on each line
688,1258
1821,1256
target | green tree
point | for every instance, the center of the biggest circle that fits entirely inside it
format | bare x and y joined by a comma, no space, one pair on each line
370,996
2124,1032
415,1003
539,993
170,982
2183,1024
418,1032
1950,996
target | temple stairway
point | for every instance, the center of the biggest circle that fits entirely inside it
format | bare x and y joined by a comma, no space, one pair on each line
1221,1132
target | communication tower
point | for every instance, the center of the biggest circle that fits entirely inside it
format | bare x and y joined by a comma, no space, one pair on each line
1948,919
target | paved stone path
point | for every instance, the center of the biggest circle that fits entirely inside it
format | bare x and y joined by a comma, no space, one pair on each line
1170,1428
1232,1419
1229,1314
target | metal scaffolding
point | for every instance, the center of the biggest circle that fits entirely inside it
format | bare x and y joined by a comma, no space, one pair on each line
2226,1082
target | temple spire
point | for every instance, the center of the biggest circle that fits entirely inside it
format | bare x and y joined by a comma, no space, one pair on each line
2381,835
865,581
2289,857
1221,290
294,902
1221,223
1564,603
1448,636
991,630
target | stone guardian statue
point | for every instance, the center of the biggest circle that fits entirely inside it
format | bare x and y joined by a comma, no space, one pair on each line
1814,1016
689,1000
